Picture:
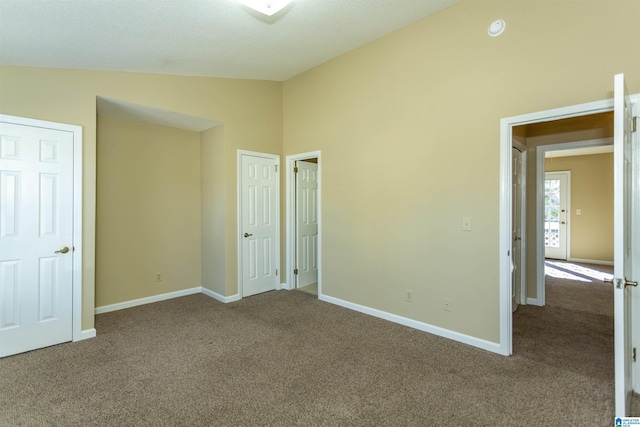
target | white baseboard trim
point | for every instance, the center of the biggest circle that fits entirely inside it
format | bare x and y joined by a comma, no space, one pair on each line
533,301
590,261
221,298
285,286
147,300
435,330
85,334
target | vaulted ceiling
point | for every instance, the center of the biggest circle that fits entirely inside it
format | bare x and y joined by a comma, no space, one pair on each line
216,38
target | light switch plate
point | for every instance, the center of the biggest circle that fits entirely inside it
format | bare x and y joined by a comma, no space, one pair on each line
466,224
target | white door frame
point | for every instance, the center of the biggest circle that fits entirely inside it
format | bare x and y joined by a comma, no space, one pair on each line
505,229
239,215
541,152
290,216
76,131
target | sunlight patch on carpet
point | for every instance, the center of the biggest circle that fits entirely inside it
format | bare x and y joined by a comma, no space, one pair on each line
570,271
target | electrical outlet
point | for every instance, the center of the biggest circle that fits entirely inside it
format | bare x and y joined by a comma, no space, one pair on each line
446,304
409,296
466,224
158,277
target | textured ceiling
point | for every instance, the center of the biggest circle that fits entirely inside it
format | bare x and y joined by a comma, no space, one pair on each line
217,38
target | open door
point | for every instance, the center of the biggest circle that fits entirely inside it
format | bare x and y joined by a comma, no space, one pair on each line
622,281
307,222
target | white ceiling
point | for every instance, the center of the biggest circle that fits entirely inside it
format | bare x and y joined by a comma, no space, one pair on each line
216,38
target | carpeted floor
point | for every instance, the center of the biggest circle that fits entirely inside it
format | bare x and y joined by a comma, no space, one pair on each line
286,358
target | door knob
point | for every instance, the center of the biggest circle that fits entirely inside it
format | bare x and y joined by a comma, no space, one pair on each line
62,250
621,283
563,222
247,234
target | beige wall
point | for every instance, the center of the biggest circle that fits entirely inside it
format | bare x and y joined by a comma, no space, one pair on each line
409,132
592,193
148,205
214,260
251,112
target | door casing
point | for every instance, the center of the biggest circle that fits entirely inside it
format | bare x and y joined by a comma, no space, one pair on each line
505,227
290,221
76,131
541,152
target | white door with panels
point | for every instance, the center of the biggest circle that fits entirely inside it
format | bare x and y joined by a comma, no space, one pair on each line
307,220
36,237
556,214
259,224
625,279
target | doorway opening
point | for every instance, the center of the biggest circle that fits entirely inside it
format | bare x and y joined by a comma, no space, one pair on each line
303,223
522,129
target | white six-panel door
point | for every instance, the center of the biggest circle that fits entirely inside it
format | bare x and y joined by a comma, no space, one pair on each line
307,220
259,189
36,224
624,276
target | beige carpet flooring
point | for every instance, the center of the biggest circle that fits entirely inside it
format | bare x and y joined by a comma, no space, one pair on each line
286,358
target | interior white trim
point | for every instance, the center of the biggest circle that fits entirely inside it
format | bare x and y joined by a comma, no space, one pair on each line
76,131
504,247
290,215
221,298
239,213
86,334
426,327
506,125
147,300
590,261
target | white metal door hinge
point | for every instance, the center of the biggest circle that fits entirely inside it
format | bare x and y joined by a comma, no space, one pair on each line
276,168
276,271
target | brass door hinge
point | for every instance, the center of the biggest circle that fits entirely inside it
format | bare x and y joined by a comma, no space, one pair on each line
295,170
635,124
276,271
633,354
295,271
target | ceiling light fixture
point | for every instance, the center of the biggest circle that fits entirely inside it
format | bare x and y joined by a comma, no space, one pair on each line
497,27
267,7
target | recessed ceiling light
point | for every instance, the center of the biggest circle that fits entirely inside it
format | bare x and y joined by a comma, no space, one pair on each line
268,7
497,27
